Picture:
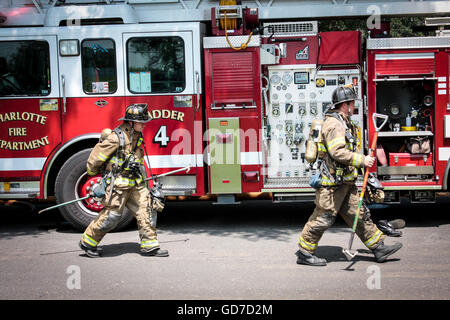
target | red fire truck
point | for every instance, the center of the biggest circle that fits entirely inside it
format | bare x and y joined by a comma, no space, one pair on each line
230,105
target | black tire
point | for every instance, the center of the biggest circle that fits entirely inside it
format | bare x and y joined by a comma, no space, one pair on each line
72,172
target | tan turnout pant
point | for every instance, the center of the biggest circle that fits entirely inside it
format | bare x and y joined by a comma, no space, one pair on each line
138,201
330,202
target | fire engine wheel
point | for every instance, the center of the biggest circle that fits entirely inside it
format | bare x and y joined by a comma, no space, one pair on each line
71,184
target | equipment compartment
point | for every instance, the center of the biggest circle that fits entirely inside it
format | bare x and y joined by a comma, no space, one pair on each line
410,160
410,106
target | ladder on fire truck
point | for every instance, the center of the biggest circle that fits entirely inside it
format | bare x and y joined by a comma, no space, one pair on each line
43,13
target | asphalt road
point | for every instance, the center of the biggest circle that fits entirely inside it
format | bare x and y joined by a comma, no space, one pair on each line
224,253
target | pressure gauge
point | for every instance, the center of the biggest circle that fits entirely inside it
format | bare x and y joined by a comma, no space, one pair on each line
275,111
287,78
288,127
302,108
275,79
298,138
313,108
289,141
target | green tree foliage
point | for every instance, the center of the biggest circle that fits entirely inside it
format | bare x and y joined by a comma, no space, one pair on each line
404,27
400,26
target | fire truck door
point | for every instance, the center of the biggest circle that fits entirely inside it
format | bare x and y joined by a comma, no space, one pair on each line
225,154
162,69
30,109
90,84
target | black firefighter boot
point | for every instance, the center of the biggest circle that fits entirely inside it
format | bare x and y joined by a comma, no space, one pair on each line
382,252
388,229
304,257
90,251
154,252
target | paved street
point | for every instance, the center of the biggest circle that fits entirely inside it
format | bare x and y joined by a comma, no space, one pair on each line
244,252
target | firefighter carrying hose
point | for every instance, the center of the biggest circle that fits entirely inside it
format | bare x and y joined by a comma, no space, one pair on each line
339,162
119,157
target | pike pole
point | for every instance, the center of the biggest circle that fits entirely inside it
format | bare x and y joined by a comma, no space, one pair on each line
167,173
347,252
65,203
91,195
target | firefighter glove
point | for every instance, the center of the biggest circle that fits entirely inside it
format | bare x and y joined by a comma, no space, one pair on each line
157,205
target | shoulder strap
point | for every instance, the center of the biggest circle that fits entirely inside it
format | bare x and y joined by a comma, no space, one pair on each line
348,133
120,134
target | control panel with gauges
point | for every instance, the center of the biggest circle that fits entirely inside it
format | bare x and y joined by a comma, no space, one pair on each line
297,95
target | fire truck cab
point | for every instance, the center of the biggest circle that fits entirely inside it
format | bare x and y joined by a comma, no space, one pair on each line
63,83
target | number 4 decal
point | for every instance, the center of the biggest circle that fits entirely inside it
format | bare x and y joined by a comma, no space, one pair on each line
161,137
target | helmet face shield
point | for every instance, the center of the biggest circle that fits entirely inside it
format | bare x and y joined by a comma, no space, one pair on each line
137,112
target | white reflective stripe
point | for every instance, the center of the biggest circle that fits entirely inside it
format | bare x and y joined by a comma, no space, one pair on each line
374,239
175,161
357,160
307,245
444,154
89,240
122,181
102,157
149,243
404,56
21,164
248,158
335,142
196,160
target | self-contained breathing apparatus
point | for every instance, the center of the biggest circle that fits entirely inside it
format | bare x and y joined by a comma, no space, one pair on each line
128,163
338,175
134,170
340,95
135,113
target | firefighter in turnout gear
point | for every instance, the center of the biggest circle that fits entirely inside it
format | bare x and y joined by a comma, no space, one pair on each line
119,157
339,162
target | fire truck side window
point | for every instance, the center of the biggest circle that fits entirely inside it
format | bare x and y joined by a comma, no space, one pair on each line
98,58
24,68
156,65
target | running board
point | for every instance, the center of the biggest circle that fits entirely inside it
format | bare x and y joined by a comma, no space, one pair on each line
293,197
